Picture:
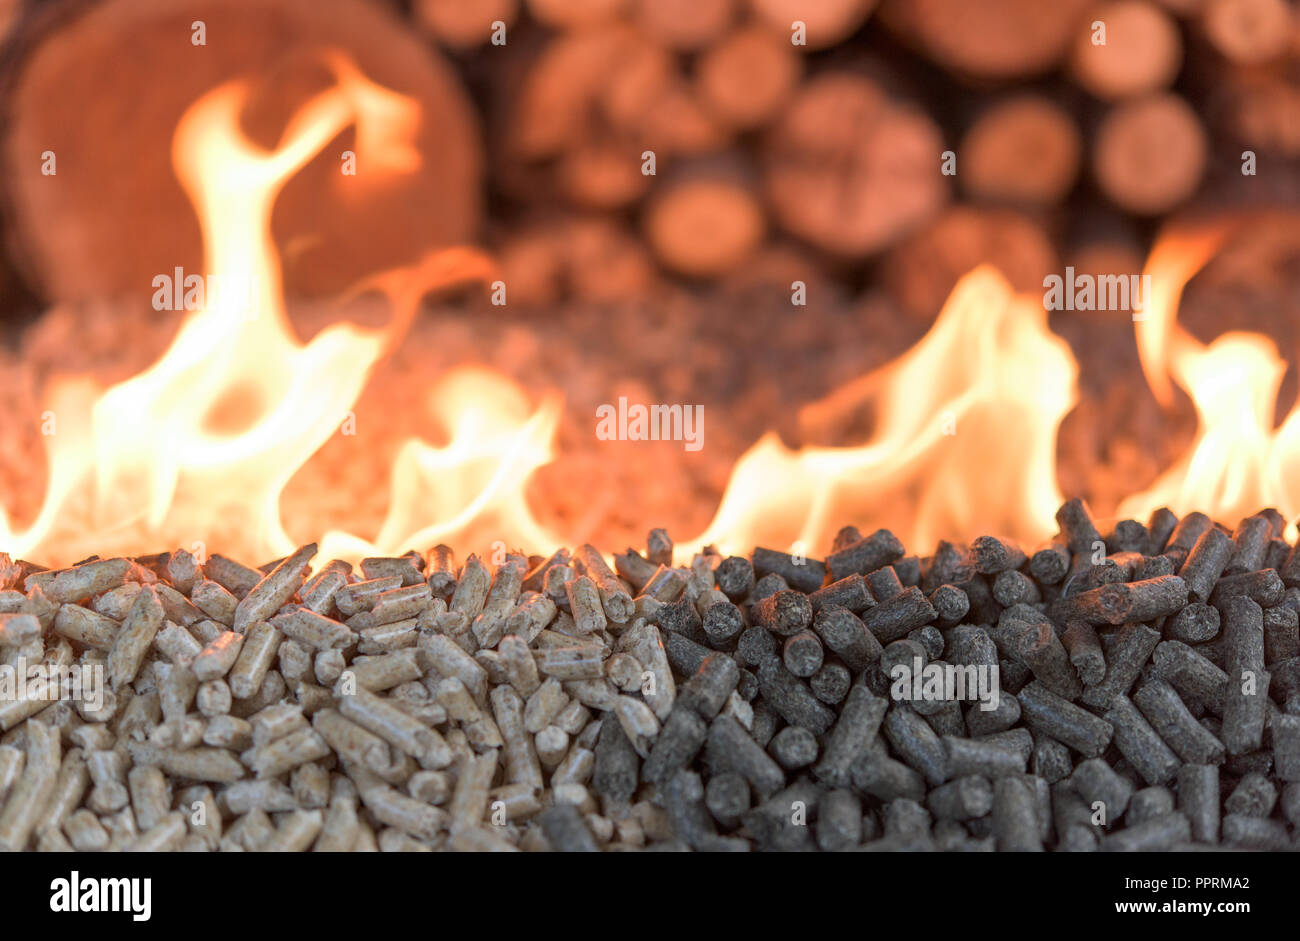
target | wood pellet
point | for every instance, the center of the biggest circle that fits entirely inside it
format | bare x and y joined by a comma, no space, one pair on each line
1147,700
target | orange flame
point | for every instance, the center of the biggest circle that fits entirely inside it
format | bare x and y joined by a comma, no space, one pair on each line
965,440
1239,462
199,447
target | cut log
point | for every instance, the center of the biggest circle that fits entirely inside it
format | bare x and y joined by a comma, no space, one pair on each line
685,25
1248,31
922,270
549,260
572,14
11,12
850,170
635,85
1026,150
531,262
1142,53
748,77
826,22
605,261
1261,110
115,215
602,173
560,90
1149,154
989,39
679,125
704,224
463,25
1183,9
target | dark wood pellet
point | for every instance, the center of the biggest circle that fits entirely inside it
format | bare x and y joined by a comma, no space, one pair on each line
1250,543
1128,536
1140,744
1160,528
950,603
1062,720
803,654
722,624
897,617
793,748
1195,624
1161,705
617,767
831,683
784,613
845,536
1188,530
1011,588
727,798
807,575
735,577
731,748
1263,587
884,584
755,645
866,555
1078,531
1246,707
791,697
993,556
844,633
1205,562
850,592
1049,563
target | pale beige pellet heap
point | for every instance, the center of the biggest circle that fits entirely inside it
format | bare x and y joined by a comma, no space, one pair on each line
411,705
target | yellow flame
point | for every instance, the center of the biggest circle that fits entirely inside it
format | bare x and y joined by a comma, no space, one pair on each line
965,440
1239,461
199,447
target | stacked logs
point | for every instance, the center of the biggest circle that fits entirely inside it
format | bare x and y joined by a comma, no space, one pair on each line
759,138
703,135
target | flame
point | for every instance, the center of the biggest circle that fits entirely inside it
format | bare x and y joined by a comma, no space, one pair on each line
965,440
198,449
1239,461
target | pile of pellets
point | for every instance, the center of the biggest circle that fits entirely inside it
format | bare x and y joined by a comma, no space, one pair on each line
1148,698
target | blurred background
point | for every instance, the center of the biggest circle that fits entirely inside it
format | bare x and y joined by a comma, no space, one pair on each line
782,154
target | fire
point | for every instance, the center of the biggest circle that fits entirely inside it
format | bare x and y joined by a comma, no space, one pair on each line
1240,461
196,451
965,438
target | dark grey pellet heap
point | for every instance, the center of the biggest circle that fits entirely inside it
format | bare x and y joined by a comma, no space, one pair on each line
1148,694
